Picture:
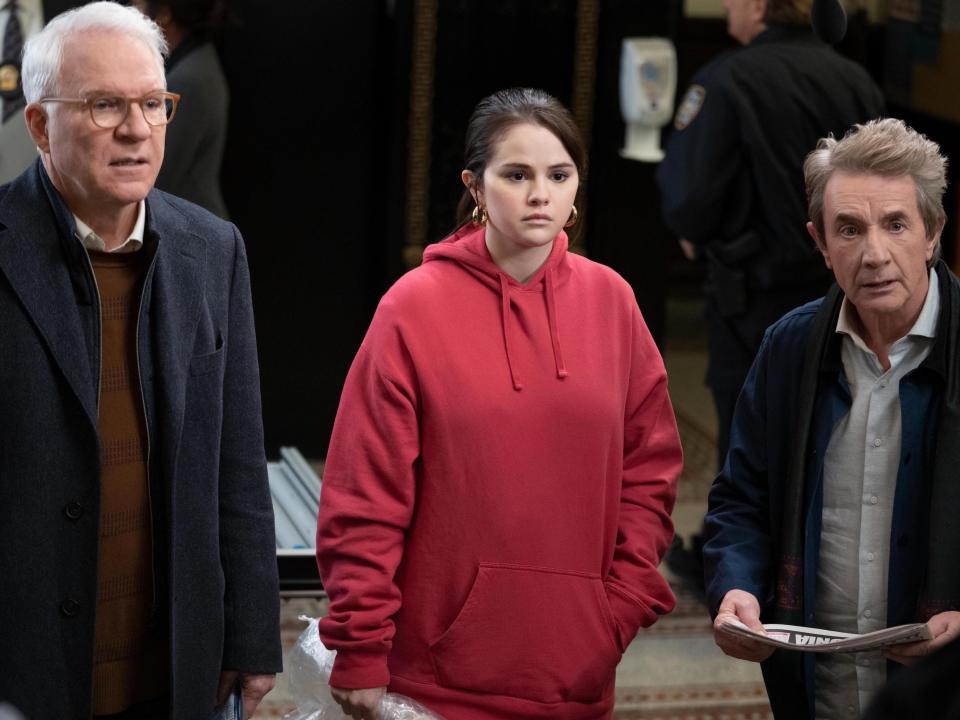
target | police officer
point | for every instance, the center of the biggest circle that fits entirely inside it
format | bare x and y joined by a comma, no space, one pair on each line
19,19
732,179
732,183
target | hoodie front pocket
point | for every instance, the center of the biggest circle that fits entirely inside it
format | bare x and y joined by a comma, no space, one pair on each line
533,633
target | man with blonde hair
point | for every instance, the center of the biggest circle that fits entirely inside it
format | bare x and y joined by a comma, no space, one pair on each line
138,553
836,505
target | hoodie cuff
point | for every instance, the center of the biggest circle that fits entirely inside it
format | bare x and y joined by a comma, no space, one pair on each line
629,614
353,670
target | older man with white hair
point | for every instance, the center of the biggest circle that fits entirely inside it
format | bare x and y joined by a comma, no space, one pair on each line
135,518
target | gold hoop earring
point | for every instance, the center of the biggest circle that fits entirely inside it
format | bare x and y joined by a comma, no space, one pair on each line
574,216
479,215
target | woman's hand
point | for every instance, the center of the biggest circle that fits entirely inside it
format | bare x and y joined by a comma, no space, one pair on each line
359,704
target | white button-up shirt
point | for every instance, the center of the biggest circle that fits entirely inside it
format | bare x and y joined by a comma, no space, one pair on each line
859,480
92,241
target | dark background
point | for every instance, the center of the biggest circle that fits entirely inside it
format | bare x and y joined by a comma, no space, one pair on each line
315,171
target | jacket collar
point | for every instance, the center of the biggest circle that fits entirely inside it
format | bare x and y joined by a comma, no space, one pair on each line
45,266
947,319
780,33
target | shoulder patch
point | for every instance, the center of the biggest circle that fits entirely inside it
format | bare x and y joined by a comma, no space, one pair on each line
692,102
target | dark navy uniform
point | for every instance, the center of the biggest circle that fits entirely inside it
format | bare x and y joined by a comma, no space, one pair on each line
732,184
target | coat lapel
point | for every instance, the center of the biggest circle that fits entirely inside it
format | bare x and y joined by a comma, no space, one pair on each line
34,262
174,301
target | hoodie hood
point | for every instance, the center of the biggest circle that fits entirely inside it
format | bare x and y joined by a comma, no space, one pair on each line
467,247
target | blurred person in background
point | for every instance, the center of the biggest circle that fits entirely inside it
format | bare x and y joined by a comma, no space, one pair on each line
732,187
19,19
194,152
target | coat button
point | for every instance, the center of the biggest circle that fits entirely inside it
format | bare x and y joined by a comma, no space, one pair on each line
70,607
73,510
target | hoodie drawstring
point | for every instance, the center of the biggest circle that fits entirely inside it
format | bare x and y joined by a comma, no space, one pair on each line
508,325
552,320
508,329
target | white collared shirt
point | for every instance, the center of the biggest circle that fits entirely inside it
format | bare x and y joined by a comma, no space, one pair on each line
859,479
92,241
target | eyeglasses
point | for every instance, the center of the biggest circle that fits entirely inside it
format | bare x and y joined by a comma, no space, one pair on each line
110,111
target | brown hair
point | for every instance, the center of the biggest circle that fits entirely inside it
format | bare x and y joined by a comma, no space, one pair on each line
496,114
788,12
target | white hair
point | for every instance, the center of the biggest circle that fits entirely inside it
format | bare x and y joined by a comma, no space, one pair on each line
43,52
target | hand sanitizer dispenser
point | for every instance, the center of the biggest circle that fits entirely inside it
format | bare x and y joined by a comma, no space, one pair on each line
648,85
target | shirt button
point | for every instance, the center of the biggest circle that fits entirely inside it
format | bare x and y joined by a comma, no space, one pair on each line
73,510
870,557
877,442
867,613
70,607
874,500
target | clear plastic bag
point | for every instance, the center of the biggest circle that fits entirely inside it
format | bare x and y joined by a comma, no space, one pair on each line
308,669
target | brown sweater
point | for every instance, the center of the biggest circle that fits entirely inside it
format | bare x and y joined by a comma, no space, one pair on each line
129,650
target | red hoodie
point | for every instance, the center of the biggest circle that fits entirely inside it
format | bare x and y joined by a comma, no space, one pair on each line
497,493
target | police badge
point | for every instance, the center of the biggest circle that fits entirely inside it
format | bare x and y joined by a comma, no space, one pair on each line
692,102
10,80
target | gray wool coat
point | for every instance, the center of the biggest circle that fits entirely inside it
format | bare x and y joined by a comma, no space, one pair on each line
214,566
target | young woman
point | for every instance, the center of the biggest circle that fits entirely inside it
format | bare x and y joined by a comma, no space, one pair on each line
497,493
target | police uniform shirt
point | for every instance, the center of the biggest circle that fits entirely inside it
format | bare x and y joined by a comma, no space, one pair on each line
17,149
734,160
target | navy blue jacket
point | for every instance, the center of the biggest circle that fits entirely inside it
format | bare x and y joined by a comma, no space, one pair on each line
734,161
215,562
743,523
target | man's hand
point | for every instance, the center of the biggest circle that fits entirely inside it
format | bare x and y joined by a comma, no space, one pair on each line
688,248
944,627
358,704
740,605
252,688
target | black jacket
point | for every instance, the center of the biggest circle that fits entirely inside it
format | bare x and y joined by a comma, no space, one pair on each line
732,178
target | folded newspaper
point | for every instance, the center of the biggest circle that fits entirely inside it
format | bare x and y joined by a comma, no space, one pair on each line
808,639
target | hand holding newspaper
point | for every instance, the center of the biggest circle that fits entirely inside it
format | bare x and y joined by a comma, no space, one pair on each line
805,639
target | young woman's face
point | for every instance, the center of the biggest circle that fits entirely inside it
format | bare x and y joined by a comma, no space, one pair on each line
529,187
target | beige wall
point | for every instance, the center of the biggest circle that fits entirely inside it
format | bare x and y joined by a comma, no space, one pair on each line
714,8
703,8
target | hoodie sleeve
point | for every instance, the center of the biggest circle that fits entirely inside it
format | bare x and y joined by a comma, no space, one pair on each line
365,509
652,461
